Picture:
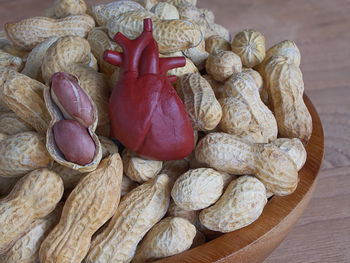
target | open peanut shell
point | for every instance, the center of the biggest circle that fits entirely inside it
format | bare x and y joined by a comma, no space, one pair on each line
57,115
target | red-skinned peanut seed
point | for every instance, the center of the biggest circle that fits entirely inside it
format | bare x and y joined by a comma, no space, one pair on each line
71,99
74,141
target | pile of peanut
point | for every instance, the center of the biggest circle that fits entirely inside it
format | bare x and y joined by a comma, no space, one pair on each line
246,107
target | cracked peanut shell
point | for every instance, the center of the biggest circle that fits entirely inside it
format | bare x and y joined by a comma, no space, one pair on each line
57,116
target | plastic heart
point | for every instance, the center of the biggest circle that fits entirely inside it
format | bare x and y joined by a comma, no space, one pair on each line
146,114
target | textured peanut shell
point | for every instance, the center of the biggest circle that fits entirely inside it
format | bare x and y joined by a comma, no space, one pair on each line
221,31
100,42
70,177
52,147
129,23
64,8
216,43
102,13
26,249
205,27
190,67
198,55
170,236
238,120
137,212
171,35
93,62
28,33
147,4
286,48
9,61
139,169
35,58
11,124
7,46
255,75
63,53
249,45
244,114
188,11
180,2
240,205
209,15
34,196
22,153
267,162
127,185
269,194
3,76
176,211
24,96
222,64
200,102
92,202
217,86
285,86
72,55
295,149
197,189
165,11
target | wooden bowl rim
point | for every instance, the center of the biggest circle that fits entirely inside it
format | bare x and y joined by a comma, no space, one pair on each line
275,212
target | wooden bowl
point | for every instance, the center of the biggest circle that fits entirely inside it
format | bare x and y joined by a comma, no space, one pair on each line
256,241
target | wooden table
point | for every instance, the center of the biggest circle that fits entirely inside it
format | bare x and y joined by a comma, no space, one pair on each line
321,28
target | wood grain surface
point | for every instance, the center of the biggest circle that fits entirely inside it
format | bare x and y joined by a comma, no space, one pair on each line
321,30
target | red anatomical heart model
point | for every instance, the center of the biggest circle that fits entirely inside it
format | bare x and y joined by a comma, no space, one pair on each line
146,114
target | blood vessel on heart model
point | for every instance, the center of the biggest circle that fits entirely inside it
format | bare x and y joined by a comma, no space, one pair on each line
146,114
